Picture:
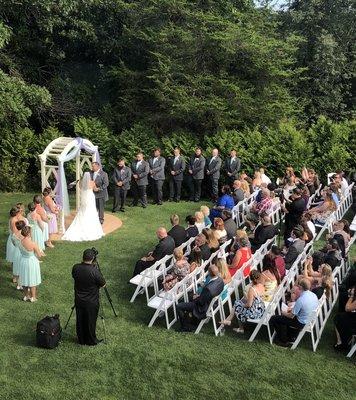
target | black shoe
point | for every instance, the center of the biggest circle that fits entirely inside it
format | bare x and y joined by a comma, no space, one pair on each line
170,200
177,200
159,204
144,206
282,344
133,205
122,209
99,341
113,211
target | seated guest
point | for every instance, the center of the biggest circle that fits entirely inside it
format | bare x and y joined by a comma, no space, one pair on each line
199,221
270,278
265,179
177,232
238,194
333,255
225,202
335,193
191,230
219,230
164,247
180,270
257,181
242,255
321,281
311,180
223,270
206,211
345,323
264,206
274,258
265,231
211,239
305,195
229,223
296,247
308,226
288,189
338,233
195,259
340,180
293,320
200,243
251,306
200,303
321,213
245,186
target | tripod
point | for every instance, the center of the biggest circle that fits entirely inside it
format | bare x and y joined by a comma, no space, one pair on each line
101,313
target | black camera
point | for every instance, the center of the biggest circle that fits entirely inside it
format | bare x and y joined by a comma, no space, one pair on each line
95,251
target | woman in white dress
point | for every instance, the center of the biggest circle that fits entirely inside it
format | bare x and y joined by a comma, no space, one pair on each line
86,225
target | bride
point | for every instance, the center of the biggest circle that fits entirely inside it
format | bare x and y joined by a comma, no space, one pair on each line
86,225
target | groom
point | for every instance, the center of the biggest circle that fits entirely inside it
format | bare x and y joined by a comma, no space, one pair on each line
101,180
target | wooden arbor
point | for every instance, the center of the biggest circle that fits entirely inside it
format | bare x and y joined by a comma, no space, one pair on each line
52,160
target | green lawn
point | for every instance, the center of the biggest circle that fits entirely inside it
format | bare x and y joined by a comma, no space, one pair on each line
141,362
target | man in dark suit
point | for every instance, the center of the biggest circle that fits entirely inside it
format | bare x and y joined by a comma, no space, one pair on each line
200,303
196,172
87,282
213,167
157,164
177,232
176,170
122,180
164,247
265,231
101,180
201,246
296,248
229,224
294,209
140,171
232,166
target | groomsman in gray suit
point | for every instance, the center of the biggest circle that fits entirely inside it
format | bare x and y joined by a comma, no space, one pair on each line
213,167
157,164
101,180
140,172
196,172
232,167
176,170
122,179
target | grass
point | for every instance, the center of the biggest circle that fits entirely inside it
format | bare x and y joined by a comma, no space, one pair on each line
141,362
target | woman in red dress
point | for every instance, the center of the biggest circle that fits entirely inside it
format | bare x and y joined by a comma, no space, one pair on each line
242,255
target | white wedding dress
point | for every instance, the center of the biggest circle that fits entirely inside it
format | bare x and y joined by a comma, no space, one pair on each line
86,225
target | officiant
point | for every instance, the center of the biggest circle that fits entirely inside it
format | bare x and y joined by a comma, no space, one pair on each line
101,180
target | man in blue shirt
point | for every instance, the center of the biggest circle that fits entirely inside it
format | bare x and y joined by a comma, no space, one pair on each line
294,319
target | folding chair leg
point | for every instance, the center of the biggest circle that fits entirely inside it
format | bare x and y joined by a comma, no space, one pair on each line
138,291
201,324
153,319
299,338
352,351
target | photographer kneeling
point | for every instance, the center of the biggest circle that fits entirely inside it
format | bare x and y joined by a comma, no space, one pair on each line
87,282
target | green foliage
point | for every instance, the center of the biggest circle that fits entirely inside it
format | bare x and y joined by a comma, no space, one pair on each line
15,155
184,140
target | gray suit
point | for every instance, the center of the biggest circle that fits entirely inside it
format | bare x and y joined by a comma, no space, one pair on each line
213,172
140,184
293,252
175,182
101,196
197,165
121,175
233,167
157,175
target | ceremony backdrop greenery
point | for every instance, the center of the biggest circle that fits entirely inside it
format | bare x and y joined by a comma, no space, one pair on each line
276,84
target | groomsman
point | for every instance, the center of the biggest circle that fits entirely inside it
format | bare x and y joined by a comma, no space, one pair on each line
157,164
101,180
196,172
122,180
213,167
176,170
140,172
232,166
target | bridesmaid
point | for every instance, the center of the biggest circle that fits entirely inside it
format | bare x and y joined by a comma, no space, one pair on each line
30,273
14,217
52,211
37,226
22,217
16,240
42,213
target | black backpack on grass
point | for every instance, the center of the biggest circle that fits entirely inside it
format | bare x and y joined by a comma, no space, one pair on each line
48,332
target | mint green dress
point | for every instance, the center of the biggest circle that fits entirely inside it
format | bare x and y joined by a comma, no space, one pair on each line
17,255
37,234
10,248
30,272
